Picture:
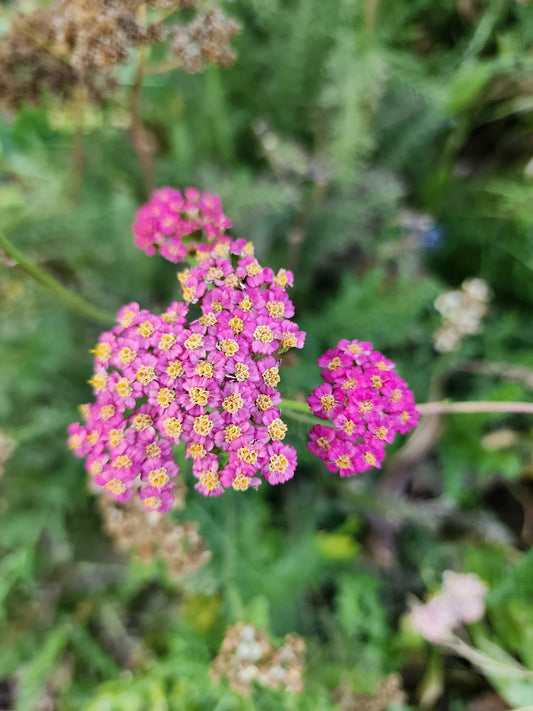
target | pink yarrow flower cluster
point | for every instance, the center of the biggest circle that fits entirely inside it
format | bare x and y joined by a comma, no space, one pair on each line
366,402
210,382
176,224
460,601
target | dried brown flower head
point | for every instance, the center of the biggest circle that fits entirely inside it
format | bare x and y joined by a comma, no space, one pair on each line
151,535
203,40
79,43
246,655
388,692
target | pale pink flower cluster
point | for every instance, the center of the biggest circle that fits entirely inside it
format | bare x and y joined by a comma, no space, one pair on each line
460,601
367,403
176,224
210,382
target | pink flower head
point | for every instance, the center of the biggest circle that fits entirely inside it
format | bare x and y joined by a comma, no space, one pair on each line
460,601
210,381
367,402
176,225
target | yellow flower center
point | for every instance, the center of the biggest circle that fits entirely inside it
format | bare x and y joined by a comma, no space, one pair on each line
232,281
197,450
142,422
126,355
127,318
277,429
75,441
202,425
263,403
166,341
174,369
93,437
107,412
208,319
381,432
323,443
116,486
145,374
158,477
242,372
263,334
102,351
152,502
343,462
204,369
229,347
195,341
253,269
123,387
365,406
122,462
377,382
246,304
327,402
152,450
240,483
395,395
247,454
165,397
334,363
348,427
236,324
214,273
349,384
170,317
278,463
98,381
145,329
231,432
233,403
115,437
96,468
188,293
172,426
210,480
271,376
354,348
199,396
276,309
281,278
369,459
288,341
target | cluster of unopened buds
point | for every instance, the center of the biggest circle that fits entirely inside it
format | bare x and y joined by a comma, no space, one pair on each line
205,373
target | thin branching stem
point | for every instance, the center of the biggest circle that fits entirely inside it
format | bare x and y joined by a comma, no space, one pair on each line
67,297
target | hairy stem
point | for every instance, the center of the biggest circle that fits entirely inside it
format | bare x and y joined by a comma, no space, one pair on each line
67,297
432,408
451,408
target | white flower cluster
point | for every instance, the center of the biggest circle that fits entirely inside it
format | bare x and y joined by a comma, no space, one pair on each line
463,311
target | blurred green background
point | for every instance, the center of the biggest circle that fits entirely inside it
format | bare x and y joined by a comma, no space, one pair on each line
383,151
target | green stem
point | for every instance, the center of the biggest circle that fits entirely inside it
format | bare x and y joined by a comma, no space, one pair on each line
301,410
449,408
69,299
